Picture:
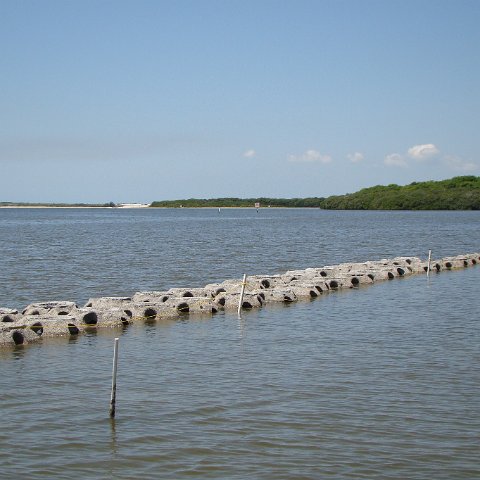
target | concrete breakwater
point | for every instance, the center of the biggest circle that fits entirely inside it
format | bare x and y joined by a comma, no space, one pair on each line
39,320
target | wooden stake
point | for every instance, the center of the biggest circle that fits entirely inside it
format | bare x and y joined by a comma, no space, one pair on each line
114,380
244,282
429,260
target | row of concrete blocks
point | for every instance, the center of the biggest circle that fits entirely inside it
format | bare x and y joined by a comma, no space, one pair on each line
66,318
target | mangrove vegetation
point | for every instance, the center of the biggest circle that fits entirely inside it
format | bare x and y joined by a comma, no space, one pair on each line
240,202
458,193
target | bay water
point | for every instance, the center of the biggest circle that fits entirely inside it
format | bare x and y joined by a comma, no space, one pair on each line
376,382
74,254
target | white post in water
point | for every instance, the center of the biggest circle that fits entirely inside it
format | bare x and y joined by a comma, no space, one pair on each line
244,282
114,380
429,260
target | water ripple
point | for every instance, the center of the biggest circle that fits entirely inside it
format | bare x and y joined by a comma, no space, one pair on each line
378,383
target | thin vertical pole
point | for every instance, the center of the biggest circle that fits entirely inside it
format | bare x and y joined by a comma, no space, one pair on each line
244,282
114,380
429,260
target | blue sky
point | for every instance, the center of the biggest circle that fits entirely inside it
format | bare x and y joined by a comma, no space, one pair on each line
135,101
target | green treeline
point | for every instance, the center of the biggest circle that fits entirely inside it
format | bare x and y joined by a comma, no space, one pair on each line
458,193
241,202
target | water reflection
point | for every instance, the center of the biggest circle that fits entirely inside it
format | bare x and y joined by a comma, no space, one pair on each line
73,339
90,332
113,438
18,352
241,326
150,325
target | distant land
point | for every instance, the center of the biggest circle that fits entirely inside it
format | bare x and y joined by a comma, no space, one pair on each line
458,193
313,202
72,205
56,205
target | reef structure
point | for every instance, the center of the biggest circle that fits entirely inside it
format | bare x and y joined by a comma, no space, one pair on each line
47,319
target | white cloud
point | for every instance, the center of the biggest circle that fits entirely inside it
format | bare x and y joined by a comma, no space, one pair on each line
310,156
395,160
355,157
249,153
457,163
422,152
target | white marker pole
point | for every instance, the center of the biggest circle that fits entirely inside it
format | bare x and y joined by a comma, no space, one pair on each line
114,380
244,282
429,260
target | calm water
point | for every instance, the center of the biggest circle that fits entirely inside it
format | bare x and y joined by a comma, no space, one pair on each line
380,382
58,254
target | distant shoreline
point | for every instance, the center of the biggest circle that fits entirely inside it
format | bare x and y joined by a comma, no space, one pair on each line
458,193
51,206
121,206
155,208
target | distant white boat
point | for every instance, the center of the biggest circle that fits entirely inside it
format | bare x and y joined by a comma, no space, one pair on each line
133,205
